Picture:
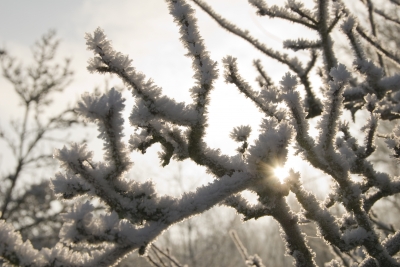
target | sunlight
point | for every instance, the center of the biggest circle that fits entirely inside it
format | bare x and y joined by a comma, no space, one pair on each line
281,173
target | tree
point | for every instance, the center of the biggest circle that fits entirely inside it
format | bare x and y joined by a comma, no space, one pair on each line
28,205
137,214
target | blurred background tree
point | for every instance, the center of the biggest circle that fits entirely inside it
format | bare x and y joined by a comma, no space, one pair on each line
26,199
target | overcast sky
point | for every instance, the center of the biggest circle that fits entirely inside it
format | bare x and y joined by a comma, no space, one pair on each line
145,31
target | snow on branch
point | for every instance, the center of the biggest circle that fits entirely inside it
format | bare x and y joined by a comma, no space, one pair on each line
133,214
312,103
301,44
303,16
108,60
261,100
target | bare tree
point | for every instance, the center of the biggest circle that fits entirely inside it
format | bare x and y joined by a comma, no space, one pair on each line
138,214
26,199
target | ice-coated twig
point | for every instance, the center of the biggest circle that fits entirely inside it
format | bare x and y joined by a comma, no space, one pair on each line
325,220
250,260
108,60
372,23
205,74
303,17
263,79
292,98
293,63
135,214
296,242
372,40
126,236
301,44
375,81
232,76
391,244
106,111
333,107
393,57
248,211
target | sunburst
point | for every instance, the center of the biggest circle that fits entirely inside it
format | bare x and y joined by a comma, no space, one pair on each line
281,173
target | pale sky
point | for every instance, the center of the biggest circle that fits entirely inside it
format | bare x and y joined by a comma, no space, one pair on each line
145,31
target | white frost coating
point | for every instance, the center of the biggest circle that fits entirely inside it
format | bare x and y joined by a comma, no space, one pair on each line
345,150
391,83
107,59
241,133
292,99
264,100
300,44
69,185
11,242
270,149
79,211
340,74
333,107
205,69
97,40
371,100
140,115
94,107
270,94
368,68
106,111
372,123
254,260
200,200
288,82
283,12
137,214
348,24
355,236
76,154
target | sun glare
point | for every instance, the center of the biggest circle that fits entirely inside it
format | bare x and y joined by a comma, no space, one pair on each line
281,173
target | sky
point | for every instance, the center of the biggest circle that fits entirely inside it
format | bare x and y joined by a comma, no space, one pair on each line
146,32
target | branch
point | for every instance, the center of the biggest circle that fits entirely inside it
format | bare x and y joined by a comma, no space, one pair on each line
304,17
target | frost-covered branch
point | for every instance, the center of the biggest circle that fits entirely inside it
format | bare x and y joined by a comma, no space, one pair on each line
133,214
372,40
312,103
261,100
303,16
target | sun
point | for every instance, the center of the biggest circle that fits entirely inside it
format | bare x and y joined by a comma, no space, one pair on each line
281,173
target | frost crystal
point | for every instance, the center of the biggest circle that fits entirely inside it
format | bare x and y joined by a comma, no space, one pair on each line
129,215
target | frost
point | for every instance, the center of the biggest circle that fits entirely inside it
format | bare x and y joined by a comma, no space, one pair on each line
130,214
241,133
270,149
355,236
348,24
288,81
76,155
79,211
340,74
69,185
